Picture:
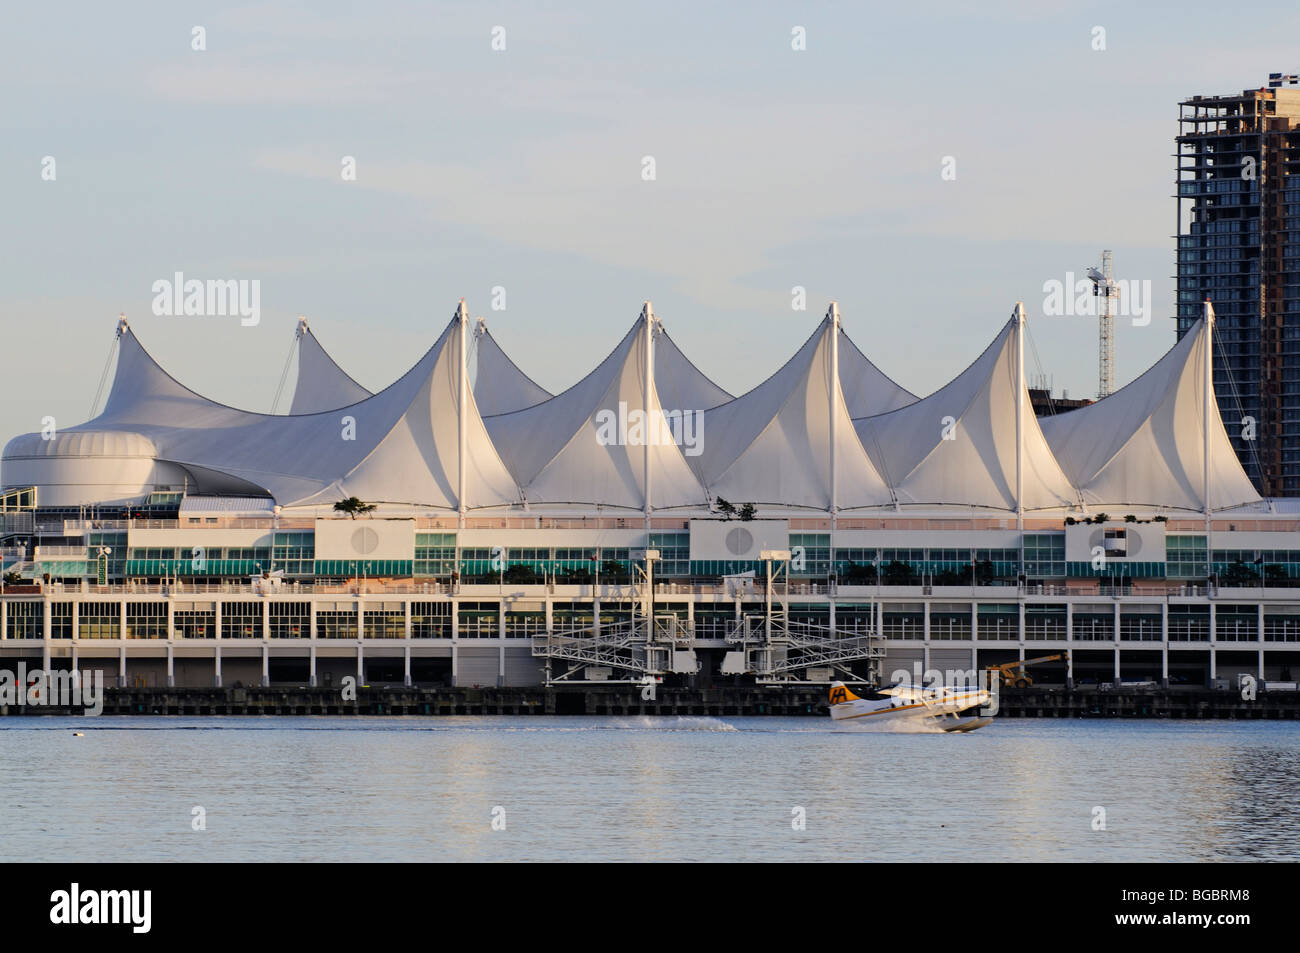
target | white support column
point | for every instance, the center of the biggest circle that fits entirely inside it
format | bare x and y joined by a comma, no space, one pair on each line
455,640
47,631
833,316
266,619
1259,635
121,659
216,660
462,385
4,620
266,664
1205,428
648,316
1020,426
311,663
501,643
1115,620
1214,661
1164,644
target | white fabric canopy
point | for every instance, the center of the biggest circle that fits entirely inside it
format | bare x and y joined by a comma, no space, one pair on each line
682,385
500,387
559,453
867,391
773,445
398,446
958,446
1144,444
322,384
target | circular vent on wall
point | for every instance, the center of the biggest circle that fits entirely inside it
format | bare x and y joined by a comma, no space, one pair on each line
365,541
740,541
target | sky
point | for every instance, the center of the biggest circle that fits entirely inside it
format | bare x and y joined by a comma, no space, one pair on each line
523,168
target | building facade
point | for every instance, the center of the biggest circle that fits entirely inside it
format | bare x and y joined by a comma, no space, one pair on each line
1239,246
826,524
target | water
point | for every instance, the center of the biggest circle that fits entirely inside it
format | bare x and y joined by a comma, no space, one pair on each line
641,788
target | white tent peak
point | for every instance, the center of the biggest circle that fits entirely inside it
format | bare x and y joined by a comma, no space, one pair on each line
397,446
500,387
321,384
563,451
961,445
1144,444
790,441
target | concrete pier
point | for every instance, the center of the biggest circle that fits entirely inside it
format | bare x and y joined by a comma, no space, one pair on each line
1176,703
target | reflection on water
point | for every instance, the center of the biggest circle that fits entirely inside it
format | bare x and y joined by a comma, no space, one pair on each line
643,788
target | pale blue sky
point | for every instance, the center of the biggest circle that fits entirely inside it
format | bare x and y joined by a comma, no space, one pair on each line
522,169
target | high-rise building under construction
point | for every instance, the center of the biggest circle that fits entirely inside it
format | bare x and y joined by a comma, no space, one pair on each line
1239,245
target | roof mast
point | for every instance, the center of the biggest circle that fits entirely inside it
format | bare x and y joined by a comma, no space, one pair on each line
648,316
462,319
1205,426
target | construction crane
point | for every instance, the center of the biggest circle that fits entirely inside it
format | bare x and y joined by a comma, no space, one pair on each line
1013,674
1104,287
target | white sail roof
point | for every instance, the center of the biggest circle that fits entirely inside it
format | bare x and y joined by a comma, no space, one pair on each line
500,387
958,446
560,451
773,445
322,384
682,385
1144,444
398,446
867,390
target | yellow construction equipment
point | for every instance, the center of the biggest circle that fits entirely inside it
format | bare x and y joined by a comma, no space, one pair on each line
1013,673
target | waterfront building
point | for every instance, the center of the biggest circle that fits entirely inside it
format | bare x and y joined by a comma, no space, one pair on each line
644,523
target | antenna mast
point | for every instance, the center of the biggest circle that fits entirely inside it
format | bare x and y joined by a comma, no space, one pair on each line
1104,287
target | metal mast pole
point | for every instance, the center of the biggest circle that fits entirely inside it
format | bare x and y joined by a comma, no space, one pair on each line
1205,424
1020,415
462,320
833,315
648,316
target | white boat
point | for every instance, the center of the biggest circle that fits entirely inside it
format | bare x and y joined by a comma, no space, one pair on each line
938,707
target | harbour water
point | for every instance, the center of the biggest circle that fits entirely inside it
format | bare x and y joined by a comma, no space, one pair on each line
643,789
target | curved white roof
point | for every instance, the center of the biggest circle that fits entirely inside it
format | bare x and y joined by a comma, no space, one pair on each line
1144,444
682,385
322,384
611,440
773,444
500,386
560,451
398,446
958,446
867,390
